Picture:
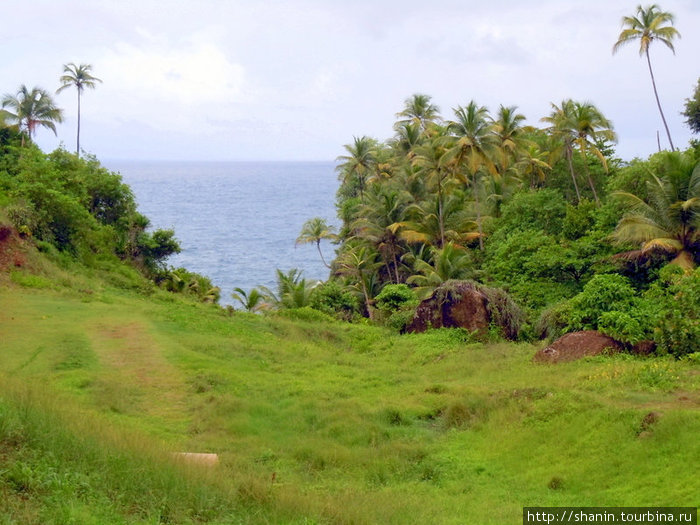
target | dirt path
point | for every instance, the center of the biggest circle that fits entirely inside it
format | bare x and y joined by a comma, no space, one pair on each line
136,377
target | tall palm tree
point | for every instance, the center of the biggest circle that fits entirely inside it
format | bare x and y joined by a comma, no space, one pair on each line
30,109
80,77
428,158
668,220
508,129
650,24
589,127
420,110
314,231
473,149
358,164
561,129
379,222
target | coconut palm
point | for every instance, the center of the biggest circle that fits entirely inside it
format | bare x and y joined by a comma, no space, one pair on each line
314,231
251,301
293,291
379,222
668,220
561,130
509,132
429,159
80,77
590,127
473,150
532,163
359,264
448,262
359,163
650,24
30,109
425,227
418,110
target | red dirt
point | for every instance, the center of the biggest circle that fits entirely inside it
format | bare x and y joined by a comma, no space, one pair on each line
12,253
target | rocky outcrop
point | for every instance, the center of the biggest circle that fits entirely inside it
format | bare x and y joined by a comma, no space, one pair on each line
469,305
576,345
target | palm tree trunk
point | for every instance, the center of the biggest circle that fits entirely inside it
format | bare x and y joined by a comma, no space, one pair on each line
440,215
588,175
478,213
368,301
77,147
573,175
318,246
656,94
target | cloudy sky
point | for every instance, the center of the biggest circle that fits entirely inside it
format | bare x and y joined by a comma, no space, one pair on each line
297,79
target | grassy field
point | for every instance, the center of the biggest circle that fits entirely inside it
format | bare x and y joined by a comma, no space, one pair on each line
314,422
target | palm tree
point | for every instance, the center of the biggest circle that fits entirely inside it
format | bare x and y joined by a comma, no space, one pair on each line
29,109
428,158
650,24
448,262
358,165
252,301
313,231
379,222
508,129
360,265
418,110
80,77
668,221
293,291
473,149
590,126
561,130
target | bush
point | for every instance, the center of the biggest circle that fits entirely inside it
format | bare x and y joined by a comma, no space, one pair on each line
394,297
333,299
676,298
622,327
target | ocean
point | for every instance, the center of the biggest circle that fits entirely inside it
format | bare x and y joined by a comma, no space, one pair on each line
237,222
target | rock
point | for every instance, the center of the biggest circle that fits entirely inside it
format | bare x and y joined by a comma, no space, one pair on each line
649,421
577,345
644,348
469,305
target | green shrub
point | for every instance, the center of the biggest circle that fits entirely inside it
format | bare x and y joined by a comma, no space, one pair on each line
621,326
334,299
394,297
305,313
676,298
603,293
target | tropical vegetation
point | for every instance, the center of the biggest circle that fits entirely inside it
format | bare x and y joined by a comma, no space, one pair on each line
80,78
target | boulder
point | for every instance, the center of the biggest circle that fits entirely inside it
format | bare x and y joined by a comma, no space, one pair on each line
576,345
469,305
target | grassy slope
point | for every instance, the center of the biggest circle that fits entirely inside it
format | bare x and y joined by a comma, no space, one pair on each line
314,422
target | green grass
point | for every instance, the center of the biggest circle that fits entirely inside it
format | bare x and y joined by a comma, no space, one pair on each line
314,422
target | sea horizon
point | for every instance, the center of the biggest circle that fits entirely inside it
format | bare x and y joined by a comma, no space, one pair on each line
236,221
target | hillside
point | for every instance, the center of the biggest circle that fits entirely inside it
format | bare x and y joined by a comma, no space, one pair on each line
314,422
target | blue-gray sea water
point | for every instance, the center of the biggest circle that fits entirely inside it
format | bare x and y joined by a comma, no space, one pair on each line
237,222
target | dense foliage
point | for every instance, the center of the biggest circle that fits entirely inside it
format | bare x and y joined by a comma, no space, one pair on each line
73,207
550,216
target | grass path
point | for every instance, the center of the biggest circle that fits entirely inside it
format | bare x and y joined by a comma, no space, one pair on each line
135,378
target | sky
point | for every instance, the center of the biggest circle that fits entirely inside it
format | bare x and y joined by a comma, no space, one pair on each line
297,79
